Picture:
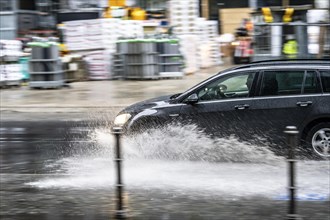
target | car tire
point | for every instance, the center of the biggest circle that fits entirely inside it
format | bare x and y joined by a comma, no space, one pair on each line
318,138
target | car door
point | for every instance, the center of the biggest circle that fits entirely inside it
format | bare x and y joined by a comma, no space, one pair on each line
223,106
284,98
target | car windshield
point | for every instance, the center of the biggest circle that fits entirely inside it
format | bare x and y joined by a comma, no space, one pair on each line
201,83
230,86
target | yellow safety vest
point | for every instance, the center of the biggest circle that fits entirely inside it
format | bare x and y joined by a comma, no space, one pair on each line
290,48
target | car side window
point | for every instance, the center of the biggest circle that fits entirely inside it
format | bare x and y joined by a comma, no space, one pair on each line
230,86
281,83
325,77
311,84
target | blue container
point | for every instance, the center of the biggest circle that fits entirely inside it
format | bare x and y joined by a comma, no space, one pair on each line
24,62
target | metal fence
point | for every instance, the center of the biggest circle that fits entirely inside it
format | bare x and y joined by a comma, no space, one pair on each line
312,40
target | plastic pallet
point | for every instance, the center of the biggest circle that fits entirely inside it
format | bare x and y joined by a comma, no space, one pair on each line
171,74
49,84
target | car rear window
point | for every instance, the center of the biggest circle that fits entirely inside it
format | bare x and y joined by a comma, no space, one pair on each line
325,77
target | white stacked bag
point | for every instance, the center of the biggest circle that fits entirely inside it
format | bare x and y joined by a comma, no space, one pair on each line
10,50
99,33
189,50
209,47
98,64
10,69
10,74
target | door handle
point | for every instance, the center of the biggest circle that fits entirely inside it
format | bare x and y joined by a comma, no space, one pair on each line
242,107
304,104
173,115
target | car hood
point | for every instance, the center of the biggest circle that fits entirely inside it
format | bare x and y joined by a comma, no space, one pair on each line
147,104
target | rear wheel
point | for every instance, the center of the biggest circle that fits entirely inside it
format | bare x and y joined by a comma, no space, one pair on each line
319,139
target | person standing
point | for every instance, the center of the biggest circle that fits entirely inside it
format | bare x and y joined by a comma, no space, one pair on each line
290,47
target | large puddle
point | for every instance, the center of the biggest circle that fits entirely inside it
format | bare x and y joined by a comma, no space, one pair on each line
184,160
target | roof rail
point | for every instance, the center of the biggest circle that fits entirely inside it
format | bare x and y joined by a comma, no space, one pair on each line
289,60
281,61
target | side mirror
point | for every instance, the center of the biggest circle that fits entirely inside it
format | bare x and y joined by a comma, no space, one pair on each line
193,98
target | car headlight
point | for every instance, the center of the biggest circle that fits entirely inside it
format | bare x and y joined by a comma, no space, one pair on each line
121,119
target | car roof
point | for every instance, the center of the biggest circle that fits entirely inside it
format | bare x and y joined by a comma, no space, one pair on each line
285,63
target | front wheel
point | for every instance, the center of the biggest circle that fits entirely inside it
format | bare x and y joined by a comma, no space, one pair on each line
319,138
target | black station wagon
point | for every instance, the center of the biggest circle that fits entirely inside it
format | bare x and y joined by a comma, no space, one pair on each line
258,99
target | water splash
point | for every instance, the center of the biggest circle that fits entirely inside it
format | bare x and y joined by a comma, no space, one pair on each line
186,143
183,159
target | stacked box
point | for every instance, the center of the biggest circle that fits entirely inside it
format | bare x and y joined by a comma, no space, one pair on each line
183,14
207,30
189,50
110,33
209,54
130,29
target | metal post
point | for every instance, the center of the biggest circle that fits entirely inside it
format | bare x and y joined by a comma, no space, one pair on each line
120,212
292,134
301,37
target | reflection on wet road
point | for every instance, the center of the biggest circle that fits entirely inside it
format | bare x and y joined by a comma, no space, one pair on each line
64,170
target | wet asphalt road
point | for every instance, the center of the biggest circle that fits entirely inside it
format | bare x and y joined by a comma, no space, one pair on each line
55,170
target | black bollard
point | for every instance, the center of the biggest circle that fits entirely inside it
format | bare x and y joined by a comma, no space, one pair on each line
292,134
120,212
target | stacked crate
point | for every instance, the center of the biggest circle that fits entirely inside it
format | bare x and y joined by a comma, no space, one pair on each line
139,59
10,69
170,58
118,65
45,66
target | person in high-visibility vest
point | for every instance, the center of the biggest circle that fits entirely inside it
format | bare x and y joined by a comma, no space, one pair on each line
290,48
